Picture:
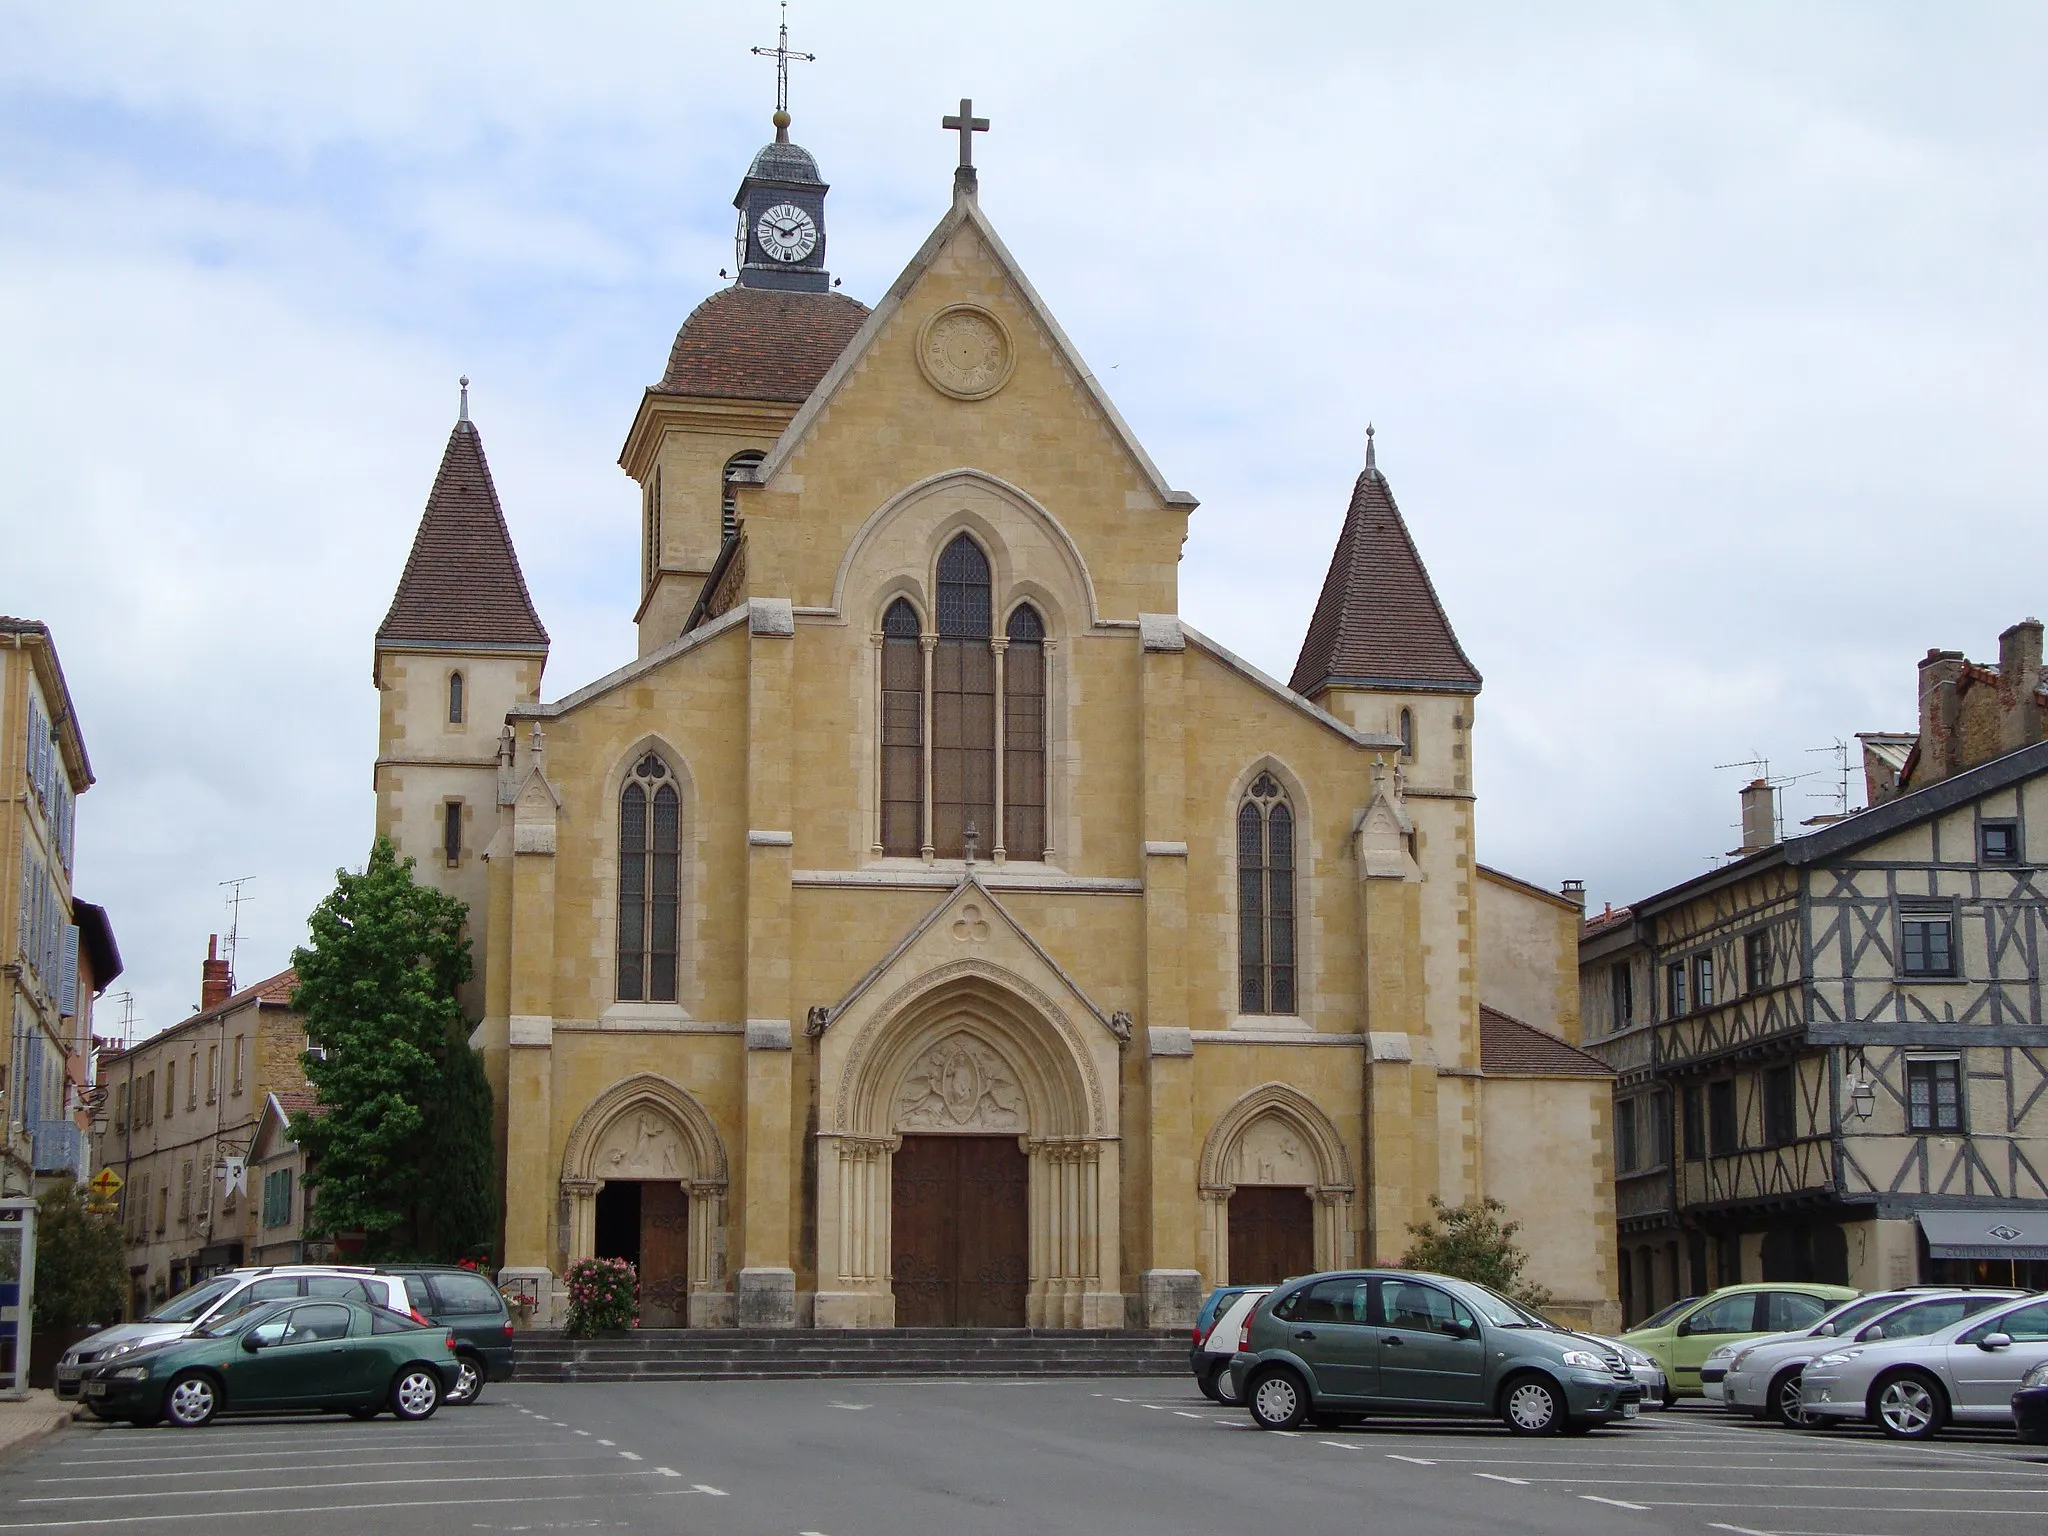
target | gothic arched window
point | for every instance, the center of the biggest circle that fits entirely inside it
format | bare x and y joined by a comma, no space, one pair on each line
455,699
902,732
1024,735
963,704
1265,899
650,869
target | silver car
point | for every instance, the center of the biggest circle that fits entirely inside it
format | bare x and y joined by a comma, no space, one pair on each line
1761,1376
1644,1368
1965,1373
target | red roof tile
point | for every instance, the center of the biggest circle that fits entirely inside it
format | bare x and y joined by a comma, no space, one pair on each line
760,344
462,583
1378,623
1512,1048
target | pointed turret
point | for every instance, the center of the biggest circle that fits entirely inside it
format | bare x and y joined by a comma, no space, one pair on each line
1378,625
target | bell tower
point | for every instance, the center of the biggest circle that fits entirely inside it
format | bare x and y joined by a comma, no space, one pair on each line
780,242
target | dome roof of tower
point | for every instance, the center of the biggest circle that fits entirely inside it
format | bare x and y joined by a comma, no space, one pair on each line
784,161
760,344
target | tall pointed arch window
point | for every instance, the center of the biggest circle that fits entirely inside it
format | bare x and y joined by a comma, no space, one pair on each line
902,732
650,870
1024,735
963,703
1265,899
456,703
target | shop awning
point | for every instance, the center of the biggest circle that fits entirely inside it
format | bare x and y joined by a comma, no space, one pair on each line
1986,1234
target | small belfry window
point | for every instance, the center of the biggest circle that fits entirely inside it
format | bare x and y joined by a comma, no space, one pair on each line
455,700
650,869
1265,899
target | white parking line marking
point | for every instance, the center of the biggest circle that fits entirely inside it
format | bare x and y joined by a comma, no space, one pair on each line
582,1431
1594,1498
1341,1445
1495,1477
1153,1406
309,1509
325,1466
666,1472
863,1407
240,1493
716,1493
1184,1414
630,1455
1418,1460
607,1442
1739,1530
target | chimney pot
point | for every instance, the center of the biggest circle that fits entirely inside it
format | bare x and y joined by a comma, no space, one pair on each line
1575,890
1759,816
215,985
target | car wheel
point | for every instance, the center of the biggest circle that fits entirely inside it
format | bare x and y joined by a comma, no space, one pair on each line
1278,1399
191,1400
1909,1406
1208,1381
469,1385
1532,1405
1781,1402
416,1393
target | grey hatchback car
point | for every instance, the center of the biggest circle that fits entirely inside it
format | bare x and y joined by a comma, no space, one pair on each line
1336,1346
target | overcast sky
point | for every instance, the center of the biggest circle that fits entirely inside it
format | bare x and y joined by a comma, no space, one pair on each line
1703,342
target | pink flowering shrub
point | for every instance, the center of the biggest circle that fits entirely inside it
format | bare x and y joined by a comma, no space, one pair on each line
603,1293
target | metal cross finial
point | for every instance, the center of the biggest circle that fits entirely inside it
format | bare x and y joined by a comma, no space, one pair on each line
967,125
782,53
465,397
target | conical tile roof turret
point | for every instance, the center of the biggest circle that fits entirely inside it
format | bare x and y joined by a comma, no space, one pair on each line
462,584
1378,623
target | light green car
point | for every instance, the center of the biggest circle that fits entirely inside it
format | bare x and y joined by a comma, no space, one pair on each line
1682,1336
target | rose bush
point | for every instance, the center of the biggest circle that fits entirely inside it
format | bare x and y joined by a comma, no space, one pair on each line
603,1294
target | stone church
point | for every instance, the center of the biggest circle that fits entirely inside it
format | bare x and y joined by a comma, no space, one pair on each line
930,927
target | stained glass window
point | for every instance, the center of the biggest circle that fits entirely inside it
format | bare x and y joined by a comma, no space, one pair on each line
1265,899
650,882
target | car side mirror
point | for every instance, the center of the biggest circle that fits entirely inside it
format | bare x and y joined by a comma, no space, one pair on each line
1995,1341
1874,1331
1685,1329
1825,1331
1464,1330
250,1343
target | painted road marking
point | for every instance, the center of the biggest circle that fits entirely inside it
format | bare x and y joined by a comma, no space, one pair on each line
1341,1445
1594,1498
1420,1461
1184,1414
607,1442
1495,1477
863,1407
666,1472
630,1455
716,1493
1739,1530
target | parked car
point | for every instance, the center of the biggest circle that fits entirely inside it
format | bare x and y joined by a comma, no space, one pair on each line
1648,1374
325,1354
466,1301
1966,1373
209,1301
1761,1378
1343,1345
2030,1406
1217,1327
1682,1336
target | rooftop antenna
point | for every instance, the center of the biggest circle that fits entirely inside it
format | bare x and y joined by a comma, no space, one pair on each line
1759,767
127,1002
234,906
782,53
1839,750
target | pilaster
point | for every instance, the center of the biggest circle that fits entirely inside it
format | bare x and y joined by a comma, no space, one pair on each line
530,1025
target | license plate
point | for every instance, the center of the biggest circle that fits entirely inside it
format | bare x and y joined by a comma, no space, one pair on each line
1630,1410
70,1372
95,1389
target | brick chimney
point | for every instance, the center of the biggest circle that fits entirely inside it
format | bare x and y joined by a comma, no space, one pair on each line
1759,816
2019,683
215,985
1939,711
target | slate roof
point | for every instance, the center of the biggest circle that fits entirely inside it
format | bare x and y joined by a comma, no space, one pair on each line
462,583
1512,1048
760,344
1378,623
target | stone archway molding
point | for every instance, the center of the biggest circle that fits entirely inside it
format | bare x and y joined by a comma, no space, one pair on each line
702,1160
1243,1128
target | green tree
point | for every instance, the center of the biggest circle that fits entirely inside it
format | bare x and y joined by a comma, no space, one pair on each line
1472,1242
81,1266
402,1152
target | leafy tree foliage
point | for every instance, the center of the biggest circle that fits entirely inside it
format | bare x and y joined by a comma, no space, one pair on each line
1472,1242
81,1266
402,1152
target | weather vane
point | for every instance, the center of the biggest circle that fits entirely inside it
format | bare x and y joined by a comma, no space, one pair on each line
781,53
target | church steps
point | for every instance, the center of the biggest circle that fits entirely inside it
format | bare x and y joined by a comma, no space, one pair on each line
735,1354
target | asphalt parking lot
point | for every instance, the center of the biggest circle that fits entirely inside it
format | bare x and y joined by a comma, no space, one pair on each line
963,1458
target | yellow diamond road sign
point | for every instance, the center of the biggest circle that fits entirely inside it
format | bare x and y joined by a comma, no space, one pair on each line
106,1184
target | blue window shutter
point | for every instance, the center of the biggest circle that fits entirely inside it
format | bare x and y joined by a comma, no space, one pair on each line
69,984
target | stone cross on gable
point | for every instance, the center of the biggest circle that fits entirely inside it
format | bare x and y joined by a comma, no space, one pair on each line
967,125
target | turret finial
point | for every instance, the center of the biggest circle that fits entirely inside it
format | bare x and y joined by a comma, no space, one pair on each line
1370,462
465,398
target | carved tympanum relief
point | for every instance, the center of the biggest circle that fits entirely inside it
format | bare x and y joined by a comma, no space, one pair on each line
640,1146
1271,1152
957,1085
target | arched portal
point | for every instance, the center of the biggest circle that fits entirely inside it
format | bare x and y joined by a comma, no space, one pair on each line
1276,1188
968,1171
644,1177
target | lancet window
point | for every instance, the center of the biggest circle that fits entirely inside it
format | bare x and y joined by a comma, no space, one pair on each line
1265,899
963,721
650,882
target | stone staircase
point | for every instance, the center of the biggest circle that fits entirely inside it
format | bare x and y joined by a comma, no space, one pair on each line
752,1354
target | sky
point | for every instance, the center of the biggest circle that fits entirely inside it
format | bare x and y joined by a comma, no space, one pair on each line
1703,344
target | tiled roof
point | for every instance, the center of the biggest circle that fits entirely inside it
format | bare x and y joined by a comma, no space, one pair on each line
299,1101
462,584
1378,623
1512,1048
760,344
1600,922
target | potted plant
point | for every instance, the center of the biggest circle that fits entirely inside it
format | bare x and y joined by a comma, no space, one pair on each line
604,1297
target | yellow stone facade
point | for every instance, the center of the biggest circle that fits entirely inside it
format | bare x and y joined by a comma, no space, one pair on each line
828,993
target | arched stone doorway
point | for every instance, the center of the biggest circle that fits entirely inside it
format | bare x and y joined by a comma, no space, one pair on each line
1276,1189
968,1168
644,1177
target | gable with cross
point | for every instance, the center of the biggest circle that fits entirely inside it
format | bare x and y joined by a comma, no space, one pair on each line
967,125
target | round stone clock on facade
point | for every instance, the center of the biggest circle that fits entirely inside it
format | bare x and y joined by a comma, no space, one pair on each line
965,352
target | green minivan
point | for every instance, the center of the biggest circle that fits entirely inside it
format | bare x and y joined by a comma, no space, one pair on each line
1682,1336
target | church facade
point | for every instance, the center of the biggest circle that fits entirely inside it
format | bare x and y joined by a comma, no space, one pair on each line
929,927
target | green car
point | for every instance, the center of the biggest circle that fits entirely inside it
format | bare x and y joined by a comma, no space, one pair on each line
1682,1336
325,1355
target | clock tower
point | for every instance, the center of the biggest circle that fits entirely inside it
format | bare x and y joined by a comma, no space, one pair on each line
780,242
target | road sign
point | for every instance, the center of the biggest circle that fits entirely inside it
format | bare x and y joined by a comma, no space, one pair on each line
105,1184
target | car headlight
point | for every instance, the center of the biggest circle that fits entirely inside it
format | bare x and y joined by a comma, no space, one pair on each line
1741,1355
116,1349
1635,1357
1582,1360
132,1373
1839,1357
1720,1356
2037,1377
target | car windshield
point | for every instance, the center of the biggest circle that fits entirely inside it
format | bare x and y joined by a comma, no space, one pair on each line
228,1324
1856,1313
1500,1311
1659,1319
187,1305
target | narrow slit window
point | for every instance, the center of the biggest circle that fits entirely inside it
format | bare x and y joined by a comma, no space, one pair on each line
902,732
455,699
1024,736
451,832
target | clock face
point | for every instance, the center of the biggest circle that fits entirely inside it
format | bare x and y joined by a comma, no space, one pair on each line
739,244
786,233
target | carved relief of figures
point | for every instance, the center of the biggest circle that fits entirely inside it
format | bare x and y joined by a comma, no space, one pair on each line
642,1145
1271,1152
960,1084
